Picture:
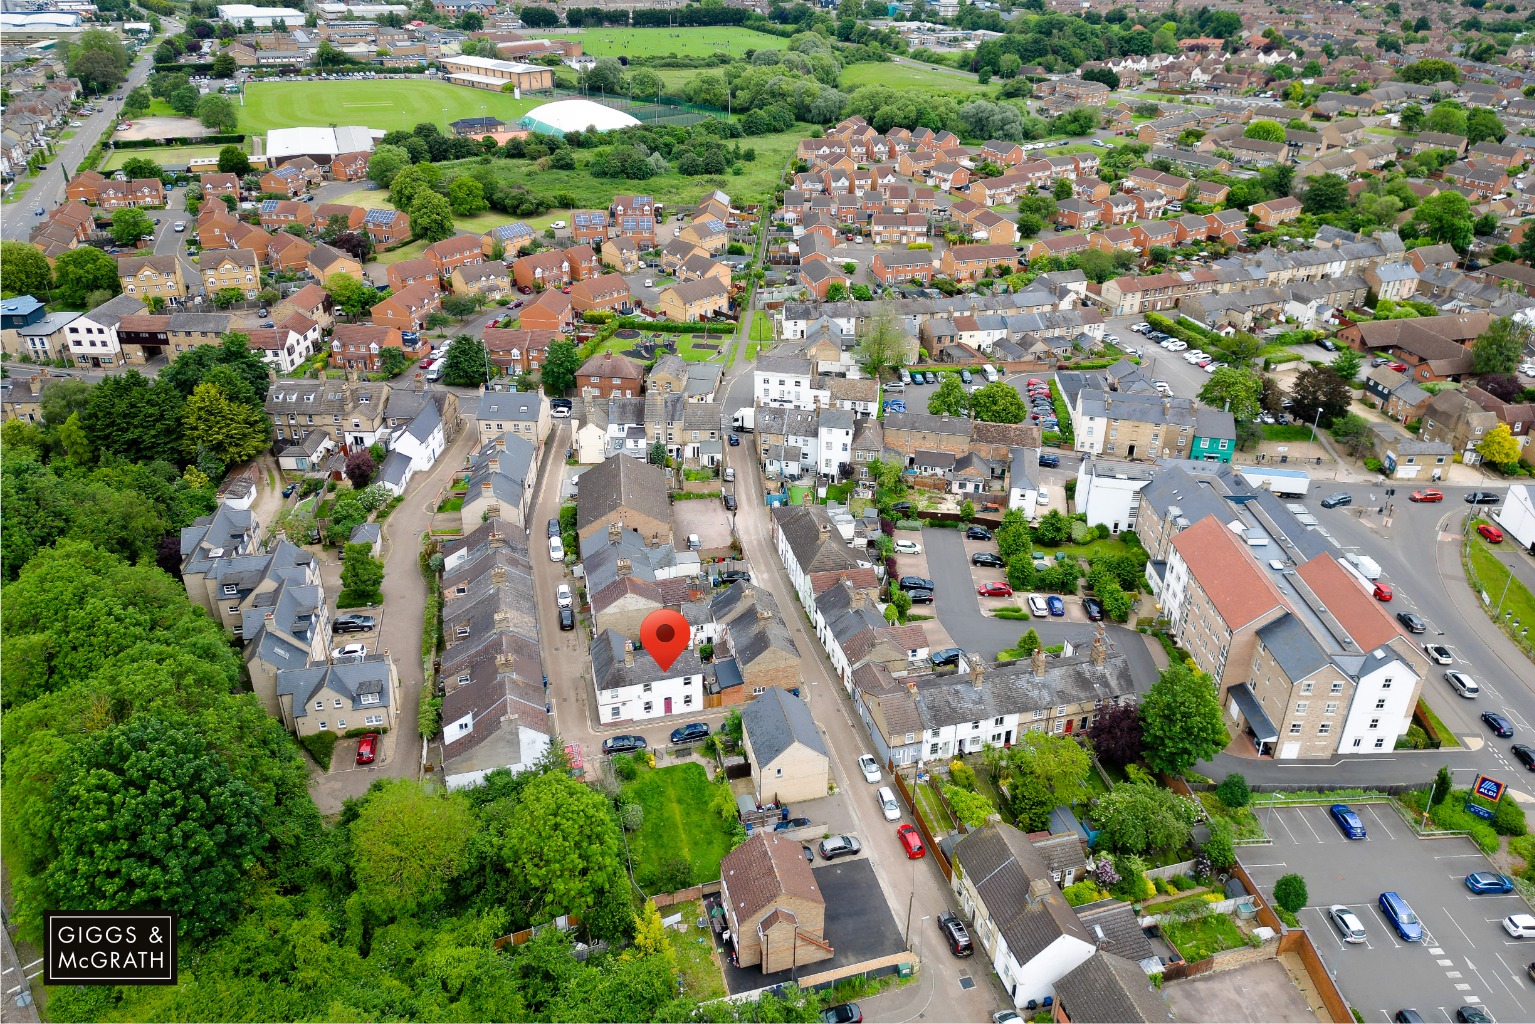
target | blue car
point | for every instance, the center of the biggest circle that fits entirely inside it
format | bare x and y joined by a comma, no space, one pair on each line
1489,883
1347,820
1056,605
1401,917
895,405
1499,725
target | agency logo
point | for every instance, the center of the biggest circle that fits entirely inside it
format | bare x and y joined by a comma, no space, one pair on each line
110,948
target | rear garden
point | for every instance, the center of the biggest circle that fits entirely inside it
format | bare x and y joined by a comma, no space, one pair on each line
678,824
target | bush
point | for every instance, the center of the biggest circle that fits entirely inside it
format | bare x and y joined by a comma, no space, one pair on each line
625,768
1290,892
962,775
1288,918
321,746
1233,791
1508,818
1220,847
1081,893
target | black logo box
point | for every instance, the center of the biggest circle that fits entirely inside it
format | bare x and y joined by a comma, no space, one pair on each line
110,948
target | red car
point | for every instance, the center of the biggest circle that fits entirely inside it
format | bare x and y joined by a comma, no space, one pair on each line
367,748
994,590
1429,495
1398,367
911,840
1382,592
1492,533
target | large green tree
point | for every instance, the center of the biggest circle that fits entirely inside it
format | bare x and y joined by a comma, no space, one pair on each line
560,365
230,431
408,846
1057,763
884,344
353,297
149,818
1326,193
1266,131
998,402
80,272
217,113
1319,396
431,216
467,364
131,416
1445,217
1181,720
131,224
1140,818
951,398
1235,390
232,160
1500,348
566,846
386,162
24,270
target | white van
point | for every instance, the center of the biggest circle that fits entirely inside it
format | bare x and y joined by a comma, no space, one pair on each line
888,804
992,376
730,475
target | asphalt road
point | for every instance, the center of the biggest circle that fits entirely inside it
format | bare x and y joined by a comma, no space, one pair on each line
1466,957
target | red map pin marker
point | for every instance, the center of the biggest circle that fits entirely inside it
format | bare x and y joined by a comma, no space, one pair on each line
665,635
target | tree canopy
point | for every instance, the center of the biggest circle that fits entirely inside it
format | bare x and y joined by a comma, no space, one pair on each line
1181,720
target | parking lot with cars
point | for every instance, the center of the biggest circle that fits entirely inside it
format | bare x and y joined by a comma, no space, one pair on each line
1465,957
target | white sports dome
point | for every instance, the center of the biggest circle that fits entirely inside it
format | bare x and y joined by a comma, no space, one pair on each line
575,116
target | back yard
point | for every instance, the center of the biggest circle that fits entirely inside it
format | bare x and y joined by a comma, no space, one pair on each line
683,836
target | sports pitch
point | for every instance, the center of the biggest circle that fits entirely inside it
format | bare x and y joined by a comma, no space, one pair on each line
377,103
663,42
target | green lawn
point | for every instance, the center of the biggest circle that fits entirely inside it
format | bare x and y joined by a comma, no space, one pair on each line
19,190
678,822
1287,432
907,75
762,327
401,103
933,810
681,42
1203,937
698,968
174,156
1494,576
378,199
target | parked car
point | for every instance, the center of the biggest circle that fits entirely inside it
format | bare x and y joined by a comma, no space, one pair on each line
911,840
920,596
947,656
1037,606
1500,726
554,528
1094,609
1338,499
622,744
730,576
900,509
986,558
833,847
1401,917
735,440
1489,883
690,733
1520,926
842,1013
955,934
1347,922
730,503
1426,495
1412,622
994,590
1382,591
349,652
556,550
908,547
916,583
560,408
367,748
1347,820
1048,460
1056,605
353,623
869,767
567,619
1471,1013
1462,683
1492,534
563,597
1482,498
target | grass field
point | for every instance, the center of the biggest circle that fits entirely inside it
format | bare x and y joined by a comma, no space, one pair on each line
1499,583
906,75
680,42
397,103
174,156
678,822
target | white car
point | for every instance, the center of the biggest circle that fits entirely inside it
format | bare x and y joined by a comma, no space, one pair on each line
1037,607
870,768
1141,328
1347,923
1042,497
908,547
1528,369
557,224
563,597
892,811
77,124
1438,654
1520,926
348,652
180,226
1177,346
1193,357
556,550
1212,367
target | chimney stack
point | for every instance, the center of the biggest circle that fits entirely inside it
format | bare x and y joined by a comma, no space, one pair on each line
1037,663
506,662
623,567
977,673
498,574
495,465
496,540
629,653
615,533
485,490
1099,651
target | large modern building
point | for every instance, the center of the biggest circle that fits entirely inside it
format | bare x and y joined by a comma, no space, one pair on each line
494,75
575,116
261,17
319,144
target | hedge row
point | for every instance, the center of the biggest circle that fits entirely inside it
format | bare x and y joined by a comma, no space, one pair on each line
206,140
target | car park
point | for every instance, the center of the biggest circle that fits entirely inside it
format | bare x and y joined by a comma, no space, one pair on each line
1037,606
1525,755
367,748
987,559
1500,726
1337,500
908,547
1400,916
353,623
833,847
1489,883
1347,820
955,934
1056,605
1426,495
916,583
947,656
1520,926
1412,622
563,597
911,841
1490,533
977,533
869,767
1347,922
1177,346
690,733
1462,683
622,744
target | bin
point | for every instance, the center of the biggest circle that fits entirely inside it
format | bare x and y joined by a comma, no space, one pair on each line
903,970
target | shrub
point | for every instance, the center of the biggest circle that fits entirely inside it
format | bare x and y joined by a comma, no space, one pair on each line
1290,892
1081,893
625,768
1288,918
1220,847
1233,791
320,746
1163,889
962,775
1081,533
1508,818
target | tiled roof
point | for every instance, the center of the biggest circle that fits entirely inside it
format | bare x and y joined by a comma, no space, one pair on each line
1218,559
764,869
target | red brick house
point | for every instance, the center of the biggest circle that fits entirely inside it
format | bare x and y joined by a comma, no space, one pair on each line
551,311
408,308
603,292
387,227
349,166
458,251
517,350
609,375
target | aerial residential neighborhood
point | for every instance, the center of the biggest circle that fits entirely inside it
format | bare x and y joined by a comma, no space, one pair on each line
752,511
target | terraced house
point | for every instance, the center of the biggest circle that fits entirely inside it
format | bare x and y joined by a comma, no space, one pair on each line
349,412
237,269
147,277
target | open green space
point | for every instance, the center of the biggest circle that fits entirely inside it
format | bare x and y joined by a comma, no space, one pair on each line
907,75
698,966
1203,937
398,103
933,810
1505,592
378,199
1287,432
18,191
679,822
700,41
167,156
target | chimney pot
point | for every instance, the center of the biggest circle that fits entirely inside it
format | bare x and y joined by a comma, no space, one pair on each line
1037,663
628,653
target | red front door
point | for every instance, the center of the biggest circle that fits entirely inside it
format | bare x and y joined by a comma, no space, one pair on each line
668,705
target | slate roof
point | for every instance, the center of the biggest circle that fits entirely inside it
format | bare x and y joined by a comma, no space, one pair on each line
366,682
623,482
1109,989
777,720
611,671
1004,867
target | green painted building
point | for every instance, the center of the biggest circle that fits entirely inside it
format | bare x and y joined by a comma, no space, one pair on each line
1215,435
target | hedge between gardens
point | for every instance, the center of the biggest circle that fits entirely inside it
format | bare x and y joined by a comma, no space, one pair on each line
1185,329
206,140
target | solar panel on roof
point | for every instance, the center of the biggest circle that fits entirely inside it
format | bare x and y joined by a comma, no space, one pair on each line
268,206
378,217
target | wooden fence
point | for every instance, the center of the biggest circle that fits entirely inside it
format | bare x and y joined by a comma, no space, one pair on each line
929,841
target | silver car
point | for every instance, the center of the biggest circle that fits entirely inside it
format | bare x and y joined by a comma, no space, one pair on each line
1347,922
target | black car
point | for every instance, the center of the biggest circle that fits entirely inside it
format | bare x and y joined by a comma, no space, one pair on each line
554,527
920,596
561,403
987,559
1334,500
1473,1014
1094,608
735,440
1408,1017
1482,498
622,744
1328,344
1049,461
1500,726
690,732
730,576
901,508
730,503
947,656
1412,622
842,1013
977,533
1525,755
567,619
917,583
956,934
353,623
